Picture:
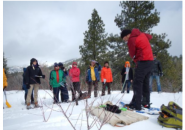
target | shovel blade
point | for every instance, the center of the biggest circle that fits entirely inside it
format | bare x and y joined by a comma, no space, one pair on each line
8,105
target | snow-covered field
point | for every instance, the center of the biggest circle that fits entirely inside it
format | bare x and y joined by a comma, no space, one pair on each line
19,118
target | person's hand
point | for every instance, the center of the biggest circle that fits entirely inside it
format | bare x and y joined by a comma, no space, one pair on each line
4,88
27,86
131,81
104,81
161,74
43,76
125,73
51,88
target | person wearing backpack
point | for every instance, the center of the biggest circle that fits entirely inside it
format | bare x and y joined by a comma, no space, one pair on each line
33,75
141,52
127,77
64,92
56,79
93,77
25,88
106,78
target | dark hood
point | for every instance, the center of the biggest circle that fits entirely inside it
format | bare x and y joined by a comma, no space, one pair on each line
32,60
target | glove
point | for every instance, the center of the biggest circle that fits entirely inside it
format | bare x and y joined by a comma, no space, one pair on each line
51,88
43,76
4,88
161,74
27,86
104,81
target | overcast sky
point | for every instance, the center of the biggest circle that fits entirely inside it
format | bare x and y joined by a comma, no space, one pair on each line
53,31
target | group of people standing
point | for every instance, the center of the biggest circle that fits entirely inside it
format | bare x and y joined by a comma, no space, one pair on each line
146,69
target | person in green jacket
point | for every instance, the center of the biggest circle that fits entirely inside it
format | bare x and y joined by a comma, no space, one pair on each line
56,79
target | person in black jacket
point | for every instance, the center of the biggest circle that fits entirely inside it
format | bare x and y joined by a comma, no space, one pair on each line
25,88
33,75
156,73
127,76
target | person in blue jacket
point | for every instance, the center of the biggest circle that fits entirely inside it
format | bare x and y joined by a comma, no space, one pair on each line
64,92
93,77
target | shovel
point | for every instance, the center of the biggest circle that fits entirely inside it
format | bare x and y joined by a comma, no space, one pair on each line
8,105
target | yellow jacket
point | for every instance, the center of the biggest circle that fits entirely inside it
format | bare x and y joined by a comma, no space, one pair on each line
5,84
93,77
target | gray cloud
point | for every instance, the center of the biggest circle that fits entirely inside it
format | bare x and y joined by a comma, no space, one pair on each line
53,31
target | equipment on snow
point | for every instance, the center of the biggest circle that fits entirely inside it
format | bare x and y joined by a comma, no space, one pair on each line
170,116
8,105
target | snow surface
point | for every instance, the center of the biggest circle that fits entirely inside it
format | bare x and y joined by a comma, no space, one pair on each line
19,118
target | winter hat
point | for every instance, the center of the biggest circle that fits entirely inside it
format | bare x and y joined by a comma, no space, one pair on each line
93,61
74,63
125,32
106,62
55,64
60,64
127,62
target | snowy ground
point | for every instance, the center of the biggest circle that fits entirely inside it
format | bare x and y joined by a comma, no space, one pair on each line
19,118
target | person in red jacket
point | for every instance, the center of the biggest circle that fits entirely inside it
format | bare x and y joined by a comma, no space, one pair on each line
141,52
106,77
74,74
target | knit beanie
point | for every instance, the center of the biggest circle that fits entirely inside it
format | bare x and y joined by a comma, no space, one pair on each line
125,32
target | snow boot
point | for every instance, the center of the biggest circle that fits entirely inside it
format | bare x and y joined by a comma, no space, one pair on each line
37,105
28,106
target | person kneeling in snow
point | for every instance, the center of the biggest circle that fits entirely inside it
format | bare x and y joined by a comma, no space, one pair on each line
106,77
56,80
33,75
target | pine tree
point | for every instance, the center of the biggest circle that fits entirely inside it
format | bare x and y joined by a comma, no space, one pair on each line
134,14
95,40
137,14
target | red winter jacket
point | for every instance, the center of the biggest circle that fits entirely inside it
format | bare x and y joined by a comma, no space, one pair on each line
74,73
139,46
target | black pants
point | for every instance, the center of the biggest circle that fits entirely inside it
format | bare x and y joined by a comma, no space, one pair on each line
141,83
64,93
56,94
104,87
76,88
